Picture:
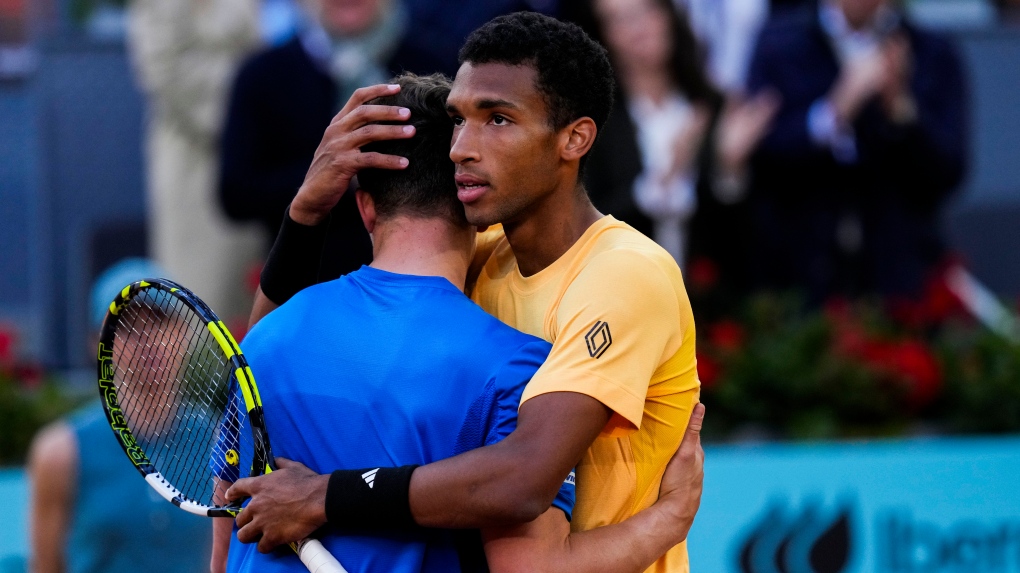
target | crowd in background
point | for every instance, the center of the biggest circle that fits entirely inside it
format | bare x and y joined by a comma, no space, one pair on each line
806,145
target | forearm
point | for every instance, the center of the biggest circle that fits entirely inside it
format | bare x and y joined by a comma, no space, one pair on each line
221,531
260,308
632,545
547,544
515,480
477,489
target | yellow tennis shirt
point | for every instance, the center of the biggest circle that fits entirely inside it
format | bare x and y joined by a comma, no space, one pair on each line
615,309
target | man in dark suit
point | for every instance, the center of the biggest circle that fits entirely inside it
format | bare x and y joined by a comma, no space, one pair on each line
869,140
284,98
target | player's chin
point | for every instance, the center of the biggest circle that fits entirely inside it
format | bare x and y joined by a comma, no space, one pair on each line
479,215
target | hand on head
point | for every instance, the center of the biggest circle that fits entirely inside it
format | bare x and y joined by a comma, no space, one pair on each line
339,157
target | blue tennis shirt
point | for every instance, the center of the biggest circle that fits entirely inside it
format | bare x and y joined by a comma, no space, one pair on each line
381,369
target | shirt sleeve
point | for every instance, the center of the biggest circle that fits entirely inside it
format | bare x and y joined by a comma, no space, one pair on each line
508,386
617,322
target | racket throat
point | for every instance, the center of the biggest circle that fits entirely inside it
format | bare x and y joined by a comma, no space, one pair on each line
263,462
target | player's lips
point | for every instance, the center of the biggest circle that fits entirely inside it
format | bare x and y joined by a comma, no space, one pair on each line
470,188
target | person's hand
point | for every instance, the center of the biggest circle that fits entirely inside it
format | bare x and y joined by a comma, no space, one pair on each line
680,490
859,80
339,157
688,141
897,101
742,126
286,505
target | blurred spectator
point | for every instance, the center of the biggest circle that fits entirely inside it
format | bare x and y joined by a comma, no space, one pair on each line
91,511
284,98
651,165
185,53
645,167
869,141
727,29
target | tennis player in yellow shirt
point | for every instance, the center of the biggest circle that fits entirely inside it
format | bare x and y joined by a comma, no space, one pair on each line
618,388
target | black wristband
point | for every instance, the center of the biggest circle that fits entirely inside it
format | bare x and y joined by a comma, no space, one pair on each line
373,498
293,262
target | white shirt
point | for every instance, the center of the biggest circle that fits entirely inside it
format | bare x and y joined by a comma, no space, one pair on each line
669,199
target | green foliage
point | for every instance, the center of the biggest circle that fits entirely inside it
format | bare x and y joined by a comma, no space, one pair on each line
25,406
982,382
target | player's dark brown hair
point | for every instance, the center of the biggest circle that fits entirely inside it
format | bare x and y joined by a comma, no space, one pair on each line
425,188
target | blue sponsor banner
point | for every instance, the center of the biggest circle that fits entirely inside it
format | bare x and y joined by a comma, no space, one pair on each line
915,506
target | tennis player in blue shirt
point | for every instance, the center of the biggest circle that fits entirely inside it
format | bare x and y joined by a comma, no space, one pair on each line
393,365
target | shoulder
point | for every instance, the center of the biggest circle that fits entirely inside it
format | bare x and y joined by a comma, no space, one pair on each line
285,325
501,340
621,254
626,271
54,450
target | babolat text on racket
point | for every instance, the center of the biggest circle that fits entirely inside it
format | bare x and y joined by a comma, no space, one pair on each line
183,403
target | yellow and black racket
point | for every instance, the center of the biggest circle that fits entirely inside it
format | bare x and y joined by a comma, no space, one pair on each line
182,401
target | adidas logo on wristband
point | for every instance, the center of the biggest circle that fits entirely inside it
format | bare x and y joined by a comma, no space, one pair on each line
369,477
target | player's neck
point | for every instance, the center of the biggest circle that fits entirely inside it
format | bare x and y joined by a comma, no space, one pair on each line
549,228
424,247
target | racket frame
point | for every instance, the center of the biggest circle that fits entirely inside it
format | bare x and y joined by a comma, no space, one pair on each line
263,461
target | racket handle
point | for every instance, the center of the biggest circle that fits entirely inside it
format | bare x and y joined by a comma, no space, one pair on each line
316,558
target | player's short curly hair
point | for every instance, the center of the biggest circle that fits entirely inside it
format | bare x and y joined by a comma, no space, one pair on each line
574,73
426,187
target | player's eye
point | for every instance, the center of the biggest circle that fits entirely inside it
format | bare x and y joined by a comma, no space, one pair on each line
499,120
457,120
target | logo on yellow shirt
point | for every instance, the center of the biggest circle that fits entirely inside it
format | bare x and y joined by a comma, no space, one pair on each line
598,339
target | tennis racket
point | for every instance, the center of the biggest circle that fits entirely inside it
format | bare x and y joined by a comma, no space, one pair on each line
182,401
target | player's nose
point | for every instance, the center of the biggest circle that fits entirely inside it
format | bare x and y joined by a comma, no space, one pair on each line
464,146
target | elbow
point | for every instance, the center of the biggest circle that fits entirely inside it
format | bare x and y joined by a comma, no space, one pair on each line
525,502
515,508
528,511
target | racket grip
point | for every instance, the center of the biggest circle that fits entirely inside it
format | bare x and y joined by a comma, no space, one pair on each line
316,558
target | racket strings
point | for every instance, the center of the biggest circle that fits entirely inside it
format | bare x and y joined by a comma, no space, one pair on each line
174,384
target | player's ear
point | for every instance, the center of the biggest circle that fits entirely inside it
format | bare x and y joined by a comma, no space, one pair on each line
366,206
579,136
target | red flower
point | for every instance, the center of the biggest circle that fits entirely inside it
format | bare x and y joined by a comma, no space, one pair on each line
940,302
30,376
727,335
709,371
837,309
910,361
8,340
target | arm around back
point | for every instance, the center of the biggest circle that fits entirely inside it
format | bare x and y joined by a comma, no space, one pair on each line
546,544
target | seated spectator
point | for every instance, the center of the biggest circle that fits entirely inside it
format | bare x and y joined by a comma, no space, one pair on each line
869,141
76,467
